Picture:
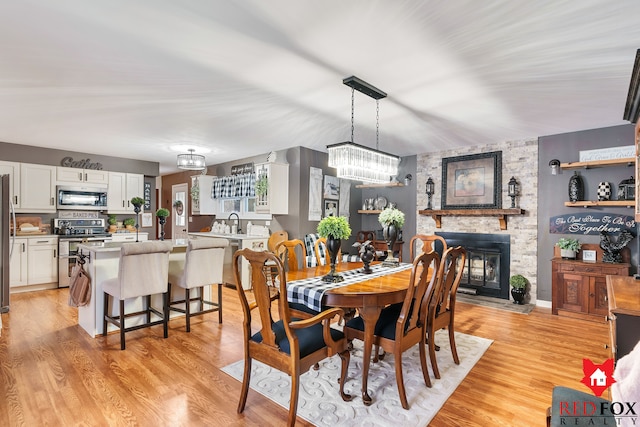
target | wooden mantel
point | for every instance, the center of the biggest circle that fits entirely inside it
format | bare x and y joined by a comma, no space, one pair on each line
502,214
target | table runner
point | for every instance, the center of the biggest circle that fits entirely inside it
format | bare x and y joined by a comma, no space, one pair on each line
310,291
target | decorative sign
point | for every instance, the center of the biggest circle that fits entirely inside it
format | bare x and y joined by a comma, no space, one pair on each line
591,223
608,153
242,169
68,162
78,214
147,196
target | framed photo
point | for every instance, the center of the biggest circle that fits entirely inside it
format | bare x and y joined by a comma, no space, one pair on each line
472,181
331,187
330,208
588,256
147,219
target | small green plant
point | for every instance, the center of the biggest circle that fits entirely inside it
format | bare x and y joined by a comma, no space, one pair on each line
112,220
162,212
569,244
391,216
137,201
334,226
195,193
262,186
129,222
518,281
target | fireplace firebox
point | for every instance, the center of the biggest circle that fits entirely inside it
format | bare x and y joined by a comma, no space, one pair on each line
487,266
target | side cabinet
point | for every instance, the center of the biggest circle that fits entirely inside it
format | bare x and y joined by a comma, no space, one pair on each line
623,294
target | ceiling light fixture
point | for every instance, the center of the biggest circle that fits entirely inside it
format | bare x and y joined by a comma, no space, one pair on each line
357,162
191,161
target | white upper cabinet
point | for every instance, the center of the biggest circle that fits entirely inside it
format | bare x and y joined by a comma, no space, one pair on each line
81,176
122,188
274,197
205,204
13,170
37,188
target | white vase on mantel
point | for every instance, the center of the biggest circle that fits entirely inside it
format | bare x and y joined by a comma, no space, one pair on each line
567,254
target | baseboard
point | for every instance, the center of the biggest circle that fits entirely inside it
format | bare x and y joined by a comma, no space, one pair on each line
543,303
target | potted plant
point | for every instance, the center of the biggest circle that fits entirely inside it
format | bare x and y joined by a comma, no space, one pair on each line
113,223
137,202
392,220
568,247
129,223
162,215
518,288
334,229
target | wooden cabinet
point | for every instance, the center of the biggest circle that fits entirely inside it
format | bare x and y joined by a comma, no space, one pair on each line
81,176
42,260
204,204
18,265
122,188
13,170
33,187
579,288
276,199
623,295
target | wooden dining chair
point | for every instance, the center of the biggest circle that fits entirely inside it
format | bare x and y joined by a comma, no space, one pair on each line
288,251
275,238
426,243
289,344
401,327
442,306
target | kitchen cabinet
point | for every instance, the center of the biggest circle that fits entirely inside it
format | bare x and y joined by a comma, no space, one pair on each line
129,237
122,188
33,187
42,260
18,265
623,294
81,176
579,288
276,199
204,204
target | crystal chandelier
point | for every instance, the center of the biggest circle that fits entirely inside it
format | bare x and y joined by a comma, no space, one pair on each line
357,162
191,161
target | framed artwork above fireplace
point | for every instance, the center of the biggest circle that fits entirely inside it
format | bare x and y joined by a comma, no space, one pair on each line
472,181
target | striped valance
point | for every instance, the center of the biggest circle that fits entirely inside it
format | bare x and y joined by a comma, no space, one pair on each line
227,187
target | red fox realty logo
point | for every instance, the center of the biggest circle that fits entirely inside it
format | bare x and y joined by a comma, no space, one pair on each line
598,377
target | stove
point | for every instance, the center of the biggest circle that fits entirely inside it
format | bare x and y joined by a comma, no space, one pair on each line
85,227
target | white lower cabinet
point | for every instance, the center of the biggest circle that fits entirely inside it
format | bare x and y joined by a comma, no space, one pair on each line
18,265
129,237
34,261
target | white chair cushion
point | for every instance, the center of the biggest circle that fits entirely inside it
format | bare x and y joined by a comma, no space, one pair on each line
202,265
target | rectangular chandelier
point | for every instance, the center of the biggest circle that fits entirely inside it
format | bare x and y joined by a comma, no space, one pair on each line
360,163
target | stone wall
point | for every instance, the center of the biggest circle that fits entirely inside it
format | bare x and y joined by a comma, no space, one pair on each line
519,159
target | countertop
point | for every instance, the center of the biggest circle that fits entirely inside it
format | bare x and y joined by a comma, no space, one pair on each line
102,247
228,236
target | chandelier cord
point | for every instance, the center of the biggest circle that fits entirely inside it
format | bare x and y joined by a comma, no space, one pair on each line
352,109
377,121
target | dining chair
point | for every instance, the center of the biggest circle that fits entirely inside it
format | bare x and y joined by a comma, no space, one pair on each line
143,271
442,306
400,327
275,238
201,266
288,251
288,344
425,243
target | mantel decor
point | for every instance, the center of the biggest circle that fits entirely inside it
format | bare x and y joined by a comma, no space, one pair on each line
472,181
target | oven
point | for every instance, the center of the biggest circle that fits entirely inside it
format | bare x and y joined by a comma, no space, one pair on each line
73,232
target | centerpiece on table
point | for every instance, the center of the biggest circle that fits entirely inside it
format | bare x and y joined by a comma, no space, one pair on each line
392,220
367,253
162,215
334,229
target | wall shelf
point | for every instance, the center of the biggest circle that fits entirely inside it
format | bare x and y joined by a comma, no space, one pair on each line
502,214
368,212
629,161
384,185
591,203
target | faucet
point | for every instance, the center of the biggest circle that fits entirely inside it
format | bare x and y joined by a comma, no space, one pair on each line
238,218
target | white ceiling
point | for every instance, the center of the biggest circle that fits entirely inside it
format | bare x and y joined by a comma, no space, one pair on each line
130,78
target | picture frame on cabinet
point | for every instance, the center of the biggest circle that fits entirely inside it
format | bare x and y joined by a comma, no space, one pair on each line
588,256
472,181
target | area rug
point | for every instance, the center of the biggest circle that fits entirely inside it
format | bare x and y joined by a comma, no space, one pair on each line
319,401
500,303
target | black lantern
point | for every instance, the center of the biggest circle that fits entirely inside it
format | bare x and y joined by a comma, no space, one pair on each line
513,191
430,189
627,189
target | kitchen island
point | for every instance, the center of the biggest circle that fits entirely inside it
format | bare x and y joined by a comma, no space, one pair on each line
102,261
236,242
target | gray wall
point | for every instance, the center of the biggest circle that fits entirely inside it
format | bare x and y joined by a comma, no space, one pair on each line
553,189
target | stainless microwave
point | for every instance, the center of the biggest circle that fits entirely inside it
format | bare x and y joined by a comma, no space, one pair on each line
81,197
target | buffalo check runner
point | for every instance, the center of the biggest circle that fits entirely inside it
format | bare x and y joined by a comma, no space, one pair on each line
310,291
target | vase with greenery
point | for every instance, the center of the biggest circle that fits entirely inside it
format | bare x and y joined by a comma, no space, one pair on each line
568,247
113,223
392,220
129,223
334,229
262,186
518,288
162,215
137,203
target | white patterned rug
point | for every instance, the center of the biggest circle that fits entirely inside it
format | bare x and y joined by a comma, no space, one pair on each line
320,403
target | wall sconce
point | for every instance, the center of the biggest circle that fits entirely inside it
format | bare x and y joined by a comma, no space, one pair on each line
554,165
513,190
430,187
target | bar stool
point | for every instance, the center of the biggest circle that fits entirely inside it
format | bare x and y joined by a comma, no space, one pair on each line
142,272
202,266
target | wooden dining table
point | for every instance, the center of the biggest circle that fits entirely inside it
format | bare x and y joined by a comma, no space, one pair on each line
369,295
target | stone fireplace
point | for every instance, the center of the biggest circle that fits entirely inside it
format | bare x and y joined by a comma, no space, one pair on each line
487,268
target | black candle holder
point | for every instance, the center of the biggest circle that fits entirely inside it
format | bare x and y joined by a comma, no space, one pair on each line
136,209
430,189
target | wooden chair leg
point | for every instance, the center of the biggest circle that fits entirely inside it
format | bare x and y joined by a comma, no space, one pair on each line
165,314
432,353
400,379
345,357
423,363
122,345
293,400
452,343
106,312
187,308
246,377
219,302
148,299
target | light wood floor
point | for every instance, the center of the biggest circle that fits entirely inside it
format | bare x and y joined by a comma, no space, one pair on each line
53,373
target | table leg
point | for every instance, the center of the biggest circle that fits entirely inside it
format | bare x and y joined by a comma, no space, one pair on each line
369,316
